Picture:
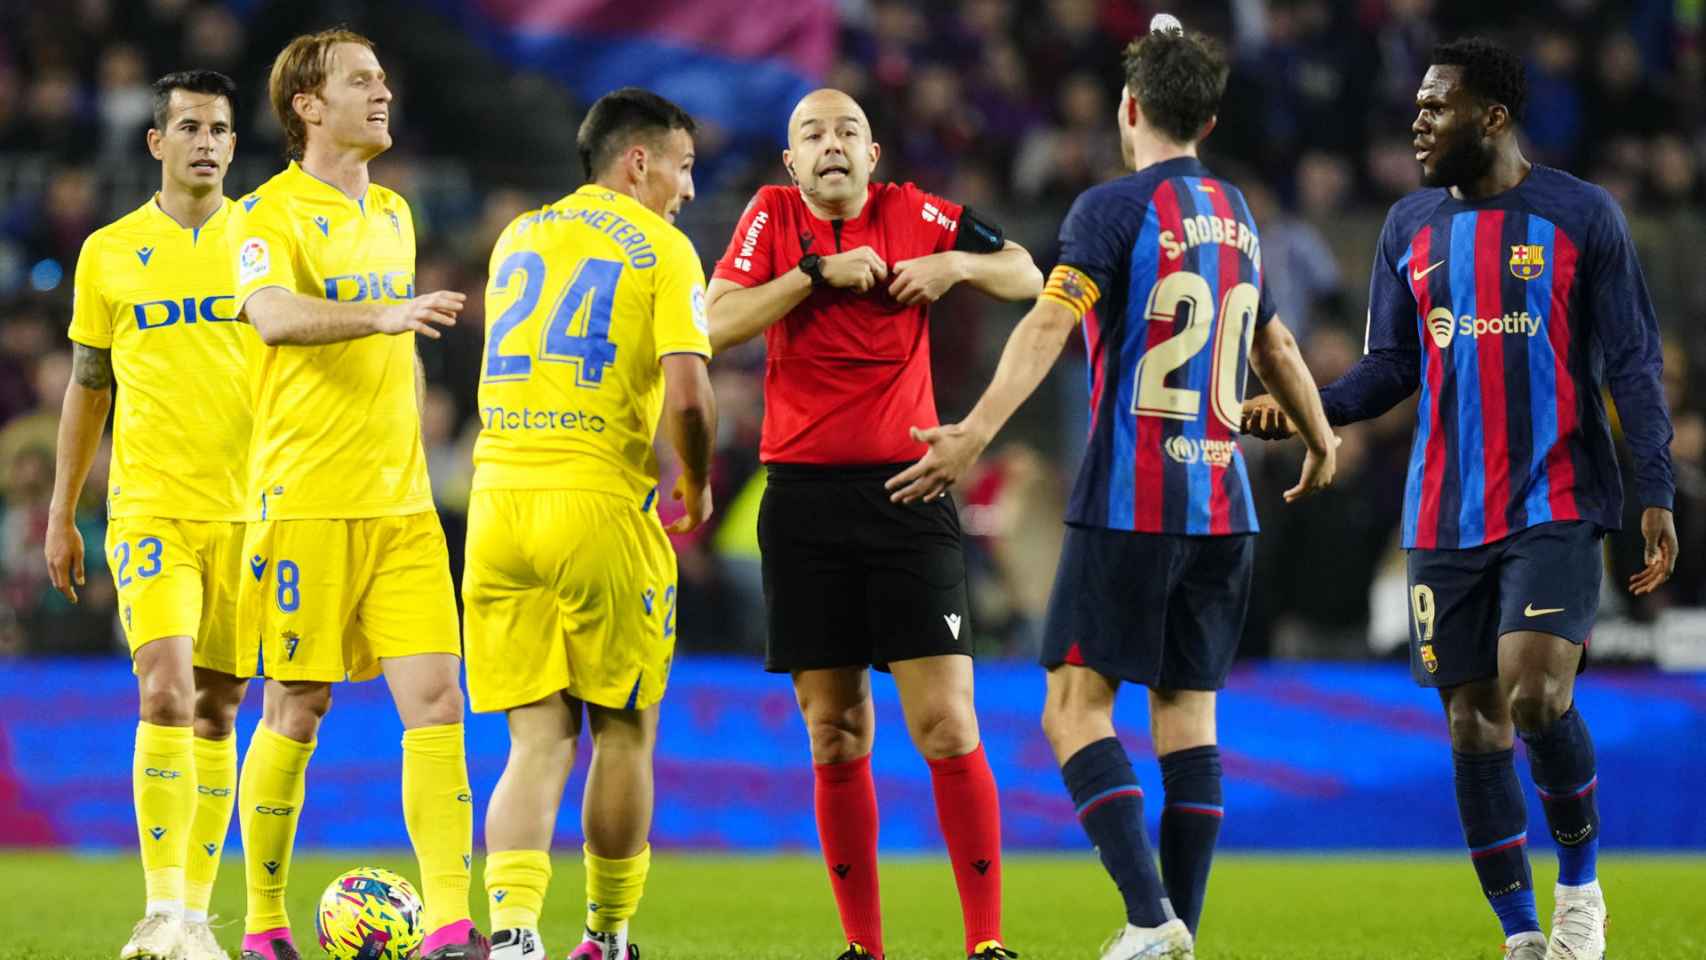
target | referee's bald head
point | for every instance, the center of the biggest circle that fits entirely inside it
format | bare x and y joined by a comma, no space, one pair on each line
826,105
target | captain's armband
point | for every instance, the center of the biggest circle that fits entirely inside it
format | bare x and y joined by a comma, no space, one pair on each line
1073,289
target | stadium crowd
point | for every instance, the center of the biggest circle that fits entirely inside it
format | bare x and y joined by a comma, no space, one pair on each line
1005,105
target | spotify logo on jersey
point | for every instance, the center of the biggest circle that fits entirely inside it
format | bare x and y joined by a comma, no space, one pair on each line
1440,324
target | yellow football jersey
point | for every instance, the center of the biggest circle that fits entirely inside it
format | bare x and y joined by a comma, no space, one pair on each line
337,430
158,295
586,297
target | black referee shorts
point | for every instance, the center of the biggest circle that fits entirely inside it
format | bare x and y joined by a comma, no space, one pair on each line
852,579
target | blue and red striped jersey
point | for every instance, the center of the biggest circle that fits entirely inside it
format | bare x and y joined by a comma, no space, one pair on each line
1175,257
1510,314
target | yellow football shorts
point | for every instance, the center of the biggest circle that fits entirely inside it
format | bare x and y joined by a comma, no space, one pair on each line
326,600
178,578
566,590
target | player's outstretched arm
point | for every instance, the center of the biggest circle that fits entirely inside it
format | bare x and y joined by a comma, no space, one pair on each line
82,417
1031,351
690,417
1275,358
1007,274
283,317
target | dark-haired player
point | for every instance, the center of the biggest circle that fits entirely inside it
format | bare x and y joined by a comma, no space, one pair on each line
153,312
570,582
838,273
1164,269
1511,295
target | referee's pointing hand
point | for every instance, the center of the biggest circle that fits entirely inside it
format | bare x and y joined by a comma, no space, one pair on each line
953,449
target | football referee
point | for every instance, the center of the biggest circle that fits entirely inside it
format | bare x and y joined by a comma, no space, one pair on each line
838,274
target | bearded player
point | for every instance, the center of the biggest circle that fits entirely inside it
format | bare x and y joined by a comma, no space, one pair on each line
1511,295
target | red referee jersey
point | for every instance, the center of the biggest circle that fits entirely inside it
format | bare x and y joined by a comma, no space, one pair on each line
845,373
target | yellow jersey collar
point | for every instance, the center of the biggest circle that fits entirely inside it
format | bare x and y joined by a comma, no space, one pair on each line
305,182
164,219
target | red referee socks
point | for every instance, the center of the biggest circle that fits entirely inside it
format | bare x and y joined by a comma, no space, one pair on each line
970,814
845,799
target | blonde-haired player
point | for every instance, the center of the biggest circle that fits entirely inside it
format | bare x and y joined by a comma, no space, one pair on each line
152,309
596,310
348,576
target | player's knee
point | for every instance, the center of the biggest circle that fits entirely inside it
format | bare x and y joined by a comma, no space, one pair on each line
216,710
1068,727
440,705
1535,707
167,701
948,731
1474,732
296,709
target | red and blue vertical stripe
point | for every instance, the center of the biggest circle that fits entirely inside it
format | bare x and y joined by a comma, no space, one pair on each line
1493,451
1142,487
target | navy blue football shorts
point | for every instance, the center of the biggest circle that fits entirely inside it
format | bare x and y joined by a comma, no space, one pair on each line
1544,578
1162,610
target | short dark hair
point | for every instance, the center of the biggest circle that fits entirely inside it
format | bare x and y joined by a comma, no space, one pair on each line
191,81
1490,72
1178,79
619,118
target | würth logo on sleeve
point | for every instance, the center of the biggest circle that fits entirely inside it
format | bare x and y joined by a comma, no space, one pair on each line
749,243
933,214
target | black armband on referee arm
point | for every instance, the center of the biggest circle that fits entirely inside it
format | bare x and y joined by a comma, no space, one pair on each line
978,235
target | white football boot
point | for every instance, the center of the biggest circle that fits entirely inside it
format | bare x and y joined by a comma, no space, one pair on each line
200,943
1526,946
1578,923
158,936
1170,941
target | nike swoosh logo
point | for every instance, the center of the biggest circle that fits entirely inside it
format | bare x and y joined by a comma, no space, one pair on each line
1417,275
1529,611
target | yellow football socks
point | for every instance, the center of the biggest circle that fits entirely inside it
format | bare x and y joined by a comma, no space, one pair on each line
516,881
163,783
215,795
613,889
438,808
274,781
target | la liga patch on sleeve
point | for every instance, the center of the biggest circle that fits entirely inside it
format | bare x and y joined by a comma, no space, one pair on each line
253,261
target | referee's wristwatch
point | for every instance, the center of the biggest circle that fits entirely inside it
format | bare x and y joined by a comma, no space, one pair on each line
812,266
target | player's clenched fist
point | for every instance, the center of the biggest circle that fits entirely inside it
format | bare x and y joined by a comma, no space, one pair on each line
1263,418
857,269
421,314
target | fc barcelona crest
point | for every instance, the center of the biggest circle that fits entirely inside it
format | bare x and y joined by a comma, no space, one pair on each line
1528,260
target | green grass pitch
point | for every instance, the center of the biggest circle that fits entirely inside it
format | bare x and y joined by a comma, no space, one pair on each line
58,906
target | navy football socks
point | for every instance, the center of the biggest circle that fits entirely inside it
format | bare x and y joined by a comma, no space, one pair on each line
1495,825
1190,825
1110,807
1561,759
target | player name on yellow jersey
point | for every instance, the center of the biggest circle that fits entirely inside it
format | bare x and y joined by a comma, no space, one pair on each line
586,297
159,296
337,429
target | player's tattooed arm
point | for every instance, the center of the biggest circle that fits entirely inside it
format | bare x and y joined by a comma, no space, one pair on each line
82,418
91,367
